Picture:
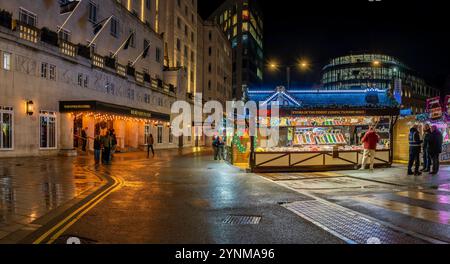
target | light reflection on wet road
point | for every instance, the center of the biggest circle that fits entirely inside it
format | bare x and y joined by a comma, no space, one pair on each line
31,187
183,198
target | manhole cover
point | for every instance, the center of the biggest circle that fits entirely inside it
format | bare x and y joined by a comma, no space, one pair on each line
242,220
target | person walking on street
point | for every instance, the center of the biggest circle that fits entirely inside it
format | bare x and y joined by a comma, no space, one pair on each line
84,139
113,142
97,148
435,148
107,144
215,145
221,150
415,144
370,141
150,142
425,147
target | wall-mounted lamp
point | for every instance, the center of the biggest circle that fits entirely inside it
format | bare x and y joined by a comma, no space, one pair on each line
30,107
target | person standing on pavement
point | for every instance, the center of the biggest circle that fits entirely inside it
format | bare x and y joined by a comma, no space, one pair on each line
113,142
97,148
150,142
107,144
435,148
215,145
415,144
370,141
84,139
221,150
425,147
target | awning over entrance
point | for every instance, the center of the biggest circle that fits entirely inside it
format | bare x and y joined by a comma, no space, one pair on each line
96,106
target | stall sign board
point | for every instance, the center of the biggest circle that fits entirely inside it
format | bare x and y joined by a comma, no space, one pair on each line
342,112
447,106
445,156
434,107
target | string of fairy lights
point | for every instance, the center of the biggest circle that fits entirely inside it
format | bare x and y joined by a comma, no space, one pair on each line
113,117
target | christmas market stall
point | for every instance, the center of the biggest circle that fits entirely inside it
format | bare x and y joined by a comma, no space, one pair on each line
321,130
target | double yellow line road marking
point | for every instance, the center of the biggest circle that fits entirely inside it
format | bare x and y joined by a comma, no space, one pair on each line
57,230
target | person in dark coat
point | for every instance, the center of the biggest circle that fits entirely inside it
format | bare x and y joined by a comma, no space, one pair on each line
215,145
415,145
97,148
84,139
435,148
426,144
150,142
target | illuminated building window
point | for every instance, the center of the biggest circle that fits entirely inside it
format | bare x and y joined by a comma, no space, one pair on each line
68,49
245,26
234,19
121,70
47,130
6,61
7,125
245,15
98,61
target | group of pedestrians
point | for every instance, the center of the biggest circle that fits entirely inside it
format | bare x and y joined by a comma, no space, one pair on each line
430,147
105,146
219,148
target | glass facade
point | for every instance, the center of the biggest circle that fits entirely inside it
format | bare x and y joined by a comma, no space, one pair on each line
372,71
243,25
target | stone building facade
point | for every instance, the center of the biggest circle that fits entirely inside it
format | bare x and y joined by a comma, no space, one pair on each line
53,85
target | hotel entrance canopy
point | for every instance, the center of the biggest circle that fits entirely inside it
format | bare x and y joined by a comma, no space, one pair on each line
101,107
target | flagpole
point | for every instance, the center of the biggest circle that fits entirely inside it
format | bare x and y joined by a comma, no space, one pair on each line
67,19
123,44
100,31
142,53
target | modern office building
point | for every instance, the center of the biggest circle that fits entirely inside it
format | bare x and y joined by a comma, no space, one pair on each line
242,22
378,71
104,69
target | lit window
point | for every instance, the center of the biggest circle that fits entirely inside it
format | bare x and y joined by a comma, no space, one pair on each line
47,130
245,26
245,14
7,61
160,135
7,124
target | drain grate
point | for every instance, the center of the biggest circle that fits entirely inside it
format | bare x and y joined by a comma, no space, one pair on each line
242,220
348,225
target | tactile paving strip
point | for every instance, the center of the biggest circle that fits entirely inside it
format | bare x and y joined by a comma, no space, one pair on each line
242,220
348,225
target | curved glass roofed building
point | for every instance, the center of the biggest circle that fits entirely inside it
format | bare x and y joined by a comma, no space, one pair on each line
367,70
378,71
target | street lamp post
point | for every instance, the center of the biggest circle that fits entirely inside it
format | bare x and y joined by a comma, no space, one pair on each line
303,65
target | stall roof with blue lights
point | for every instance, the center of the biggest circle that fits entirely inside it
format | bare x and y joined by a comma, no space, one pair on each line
363,98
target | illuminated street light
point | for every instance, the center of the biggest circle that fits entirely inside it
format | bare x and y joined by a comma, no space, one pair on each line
303,65
376,63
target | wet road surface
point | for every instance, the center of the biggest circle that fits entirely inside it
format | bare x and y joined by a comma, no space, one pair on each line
32,187
188,198
420,205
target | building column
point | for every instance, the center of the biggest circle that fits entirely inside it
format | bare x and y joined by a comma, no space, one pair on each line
119,128
66,135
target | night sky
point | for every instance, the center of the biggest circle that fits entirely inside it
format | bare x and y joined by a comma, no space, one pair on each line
416,32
